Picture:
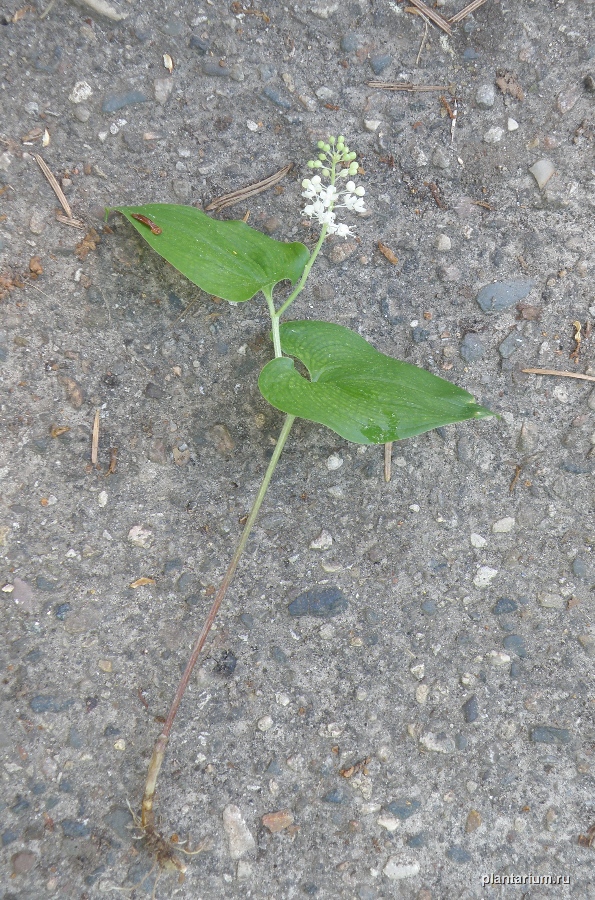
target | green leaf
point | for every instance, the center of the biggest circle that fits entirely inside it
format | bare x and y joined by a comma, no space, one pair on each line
363,395
227,259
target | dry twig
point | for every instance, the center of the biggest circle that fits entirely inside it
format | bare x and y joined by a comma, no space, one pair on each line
95,439
388,454
561,374
408,86
458,17
54,184
249,191
432,15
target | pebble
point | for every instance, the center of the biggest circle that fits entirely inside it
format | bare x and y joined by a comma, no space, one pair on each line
418,671
443,243
211,67
510,344
342,251
102,498
542,171
504,605
484,577
498,658
397,868
323,603
437,743
162,89
350,42
579,567
429,607
372,125
478,541
277,821
22,862
547,734
458,854
587,642
275,97
551,601
502,295
473,821
512,124
336,795
485,96
441,159
567,99
403,808
200,44
334,462
153,391
323,542
265,723
119,101
80,92
528,437
515,643
380,63
471,709
140,536
421,694
239,838
494,135
389,823
504,526
73,828
472,347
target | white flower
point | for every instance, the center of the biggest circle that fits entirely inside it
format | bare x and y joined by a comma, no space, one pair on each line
327,198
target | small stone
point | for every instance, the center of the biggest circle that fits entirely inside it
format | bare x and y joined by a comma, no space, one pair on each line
380,63
119,101
551,818
542,171
240,840
512,124
551,601
504,526
579,567
22,862
494,135
275,97
587,642
403,809
372,125
265,723
74,829
547,734
334,796
567,99
497,658
485,96
471,709
515,643
484,577
389,823
102,499
528,437
510,344
334,462
277,821
120,745
473,821
162,89
45,584
200,44
323,542
342,251
350,42
441,159
322,603
437,743
502,295
80,92
153,391
478,541
140,536
458,854
503,606
472,348
221,438
443,243
397,868
418,671
421,694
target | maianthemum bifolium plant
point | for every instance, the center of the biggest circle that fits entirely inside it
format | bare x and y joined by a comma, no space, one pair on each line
361,394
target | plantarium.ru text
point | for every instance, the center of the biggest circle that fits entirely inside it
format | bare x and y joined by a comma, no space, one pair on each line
361,394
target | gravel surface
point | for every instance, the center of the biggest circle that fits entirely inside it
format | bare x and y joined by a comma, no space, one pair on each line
397,699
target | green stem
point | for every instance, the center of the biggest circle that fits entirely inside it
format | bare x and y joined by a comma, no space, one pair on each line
147,814
268,293
301,283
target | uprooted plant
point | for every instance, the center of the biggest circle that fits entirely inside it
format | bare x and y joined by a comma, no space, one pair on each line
359,393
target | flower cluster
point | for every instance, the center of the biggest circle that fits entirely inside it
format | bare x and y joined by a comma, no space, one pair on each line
335,161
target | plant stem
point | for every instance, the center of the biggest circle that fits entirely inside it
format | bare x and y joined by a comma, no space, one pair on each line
268,293
147,814
301,283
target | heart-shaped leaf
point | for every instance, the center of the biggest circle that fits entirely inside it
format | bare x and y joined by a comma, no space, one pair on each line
227,259
363,395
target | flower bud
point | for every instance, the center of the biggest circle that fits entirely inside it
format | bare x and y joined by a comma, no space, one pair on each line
353,168
326,173
359,191
320,145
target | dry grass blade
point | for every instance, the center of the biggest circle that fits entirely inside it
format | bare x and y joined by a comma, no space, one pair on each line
249,191
432,15
458,17
54,184
560,374
74,223
95,438
388,458
408,86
